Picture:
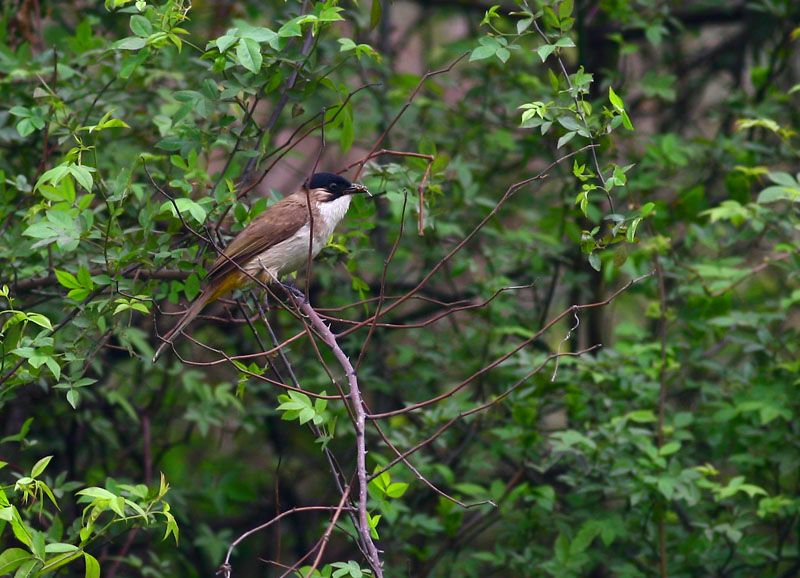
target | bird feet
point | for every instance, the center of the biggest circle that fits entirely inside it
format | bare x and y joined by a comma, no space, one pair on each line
290,288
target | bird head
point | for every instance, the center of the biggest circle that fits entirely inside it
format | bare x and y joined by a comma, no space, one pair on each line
327,187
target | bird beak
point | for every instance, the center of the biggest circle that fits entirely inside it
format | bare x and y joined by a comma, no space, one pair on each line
356,188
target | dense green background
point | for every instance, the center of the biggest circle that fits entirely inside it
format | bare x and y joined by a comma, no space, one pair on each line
671,450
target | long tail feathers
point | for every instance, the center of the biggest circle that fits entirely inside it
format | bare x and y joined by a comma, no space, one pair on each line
187,318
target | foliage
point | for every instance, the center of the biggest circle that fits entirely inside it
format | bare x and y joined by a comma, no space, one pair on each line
135,137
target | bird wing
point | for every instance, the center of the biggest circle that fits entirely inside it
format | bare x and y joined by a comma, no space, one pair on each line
277,223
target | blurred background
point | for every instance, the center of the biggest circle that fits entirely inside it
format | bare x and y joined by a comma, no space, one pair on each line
666,445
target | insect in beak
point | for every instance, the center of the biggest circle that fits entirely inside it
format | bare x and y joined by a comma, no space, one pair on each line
356,188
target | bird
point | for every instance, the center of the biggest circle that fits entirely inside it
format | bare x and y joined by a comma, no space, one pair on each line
275,243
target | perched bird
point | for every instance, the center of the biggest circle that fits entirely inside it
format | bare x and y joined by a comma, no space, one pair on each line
275,243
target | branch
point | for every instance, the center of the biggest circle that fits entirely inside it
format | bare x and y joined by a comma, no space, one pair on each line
225,568
284,98
578,111
373,556
411,97
385,133
461,244
505,356
402,457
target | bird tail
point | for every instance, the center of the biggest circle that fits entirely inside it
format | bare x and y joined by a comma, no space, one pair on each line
193,311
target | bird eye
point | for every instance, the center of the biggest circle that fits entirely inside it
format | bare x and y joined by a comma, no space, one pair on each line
333,187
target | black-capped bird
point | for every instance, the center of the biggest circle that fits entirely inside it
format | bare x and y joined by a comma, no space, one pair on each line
275,243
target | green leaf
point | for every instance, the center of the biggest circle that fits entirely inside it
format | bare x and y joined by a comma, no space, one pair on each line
291,28
396,489
372,521
78,294
569,122
141,26
38,545
545,50
631,233
25,127
18,437
226,41
561,549
347,44
620,255
595,262
774,194
117,506
130,43
60,548
248,52
328,14
260,34
666,485
565,9
84,278
67,279
54,175
46,491
482,52
736,485
131,63
186,205
306,414
40,466
28,569
20,531
654,32
641,416
584,538
73,397
565,139
95,492
40,320
616,101
191,287
12,559
669,448
626,121
20,111
785,179
92,566
375,14
490,14
564,42
172,528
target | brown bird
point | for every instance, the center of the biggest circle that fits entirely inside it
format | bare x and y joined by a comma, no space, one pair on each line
275,243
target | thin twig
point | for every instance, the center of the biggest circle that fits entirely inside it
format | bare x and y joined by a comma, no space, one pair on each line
578,111
381,292
508,354
461,244
225,569
402,456
327,535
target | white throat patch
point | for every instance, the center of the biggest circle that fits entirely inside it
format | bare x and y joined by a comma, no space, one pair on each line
332,212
